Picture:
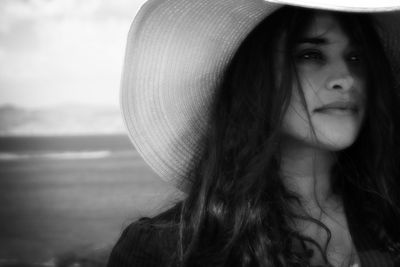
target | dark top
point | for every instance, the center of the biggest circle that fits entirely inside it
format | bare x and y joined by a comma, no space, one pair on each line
144,245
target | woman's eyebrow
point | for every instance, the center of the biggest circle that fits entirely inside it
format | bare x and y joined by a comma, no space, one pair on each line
312,40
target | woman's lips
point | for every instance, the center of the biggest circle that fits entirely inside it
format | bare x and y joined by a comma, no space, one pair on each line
339,108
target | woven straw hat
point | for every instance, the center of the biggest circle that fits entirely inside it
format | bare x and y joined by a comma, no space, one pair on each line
176,52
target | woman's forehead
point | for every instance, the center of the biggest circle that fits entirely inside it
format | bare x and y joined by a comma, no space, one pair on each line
324,29
322,24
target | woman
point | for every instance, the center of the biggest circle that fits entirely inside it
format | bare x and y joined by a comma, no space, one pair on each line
284,134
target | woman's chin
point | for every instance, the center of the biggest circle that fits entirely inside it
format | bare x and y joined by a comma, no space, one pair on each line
335,142
337,135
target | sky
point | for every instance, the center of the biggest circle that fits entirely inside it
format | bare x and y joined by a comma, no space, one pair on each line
60,52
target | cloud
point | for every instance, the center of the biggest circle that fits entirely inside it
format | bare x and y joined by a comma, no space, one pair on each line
12,10
62,51
44,9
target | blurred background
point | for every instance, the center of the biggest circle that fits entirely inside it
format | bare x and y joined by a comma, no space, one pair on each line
70,180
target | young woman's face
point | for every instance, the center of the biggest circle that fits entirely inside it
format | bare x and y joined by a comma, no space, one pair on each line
332,77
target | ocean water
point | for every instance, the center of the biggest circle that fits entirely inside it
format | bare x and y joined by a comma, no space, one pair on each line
64,195
65,147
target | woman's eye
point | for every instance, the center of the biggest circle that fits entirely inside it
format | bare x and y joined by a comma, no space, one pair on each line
310,55
354,57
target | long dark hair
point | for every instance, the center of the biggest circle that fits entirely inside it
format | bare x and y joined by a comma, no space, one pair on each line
237,212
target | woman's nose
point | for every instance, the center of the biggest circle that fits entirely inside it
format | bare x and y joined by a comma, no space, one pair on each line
340,78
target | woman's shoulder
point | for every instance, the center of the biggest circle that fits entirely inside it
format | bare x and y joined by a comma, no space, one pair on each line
148,241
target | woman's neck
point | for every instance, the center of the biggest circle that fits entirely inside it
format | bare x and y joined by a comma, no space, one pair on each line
306,171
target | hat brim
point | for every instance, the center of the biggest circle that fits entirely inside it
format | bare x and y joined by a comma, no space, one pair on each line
345,5
176,53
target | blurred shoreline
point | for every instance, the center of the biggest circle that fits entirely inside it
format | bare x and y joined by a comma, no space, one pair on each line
112,142
62,120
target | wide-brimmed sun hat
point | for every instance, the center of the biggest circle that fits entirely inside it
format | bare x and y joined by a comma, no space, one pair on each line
176,53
